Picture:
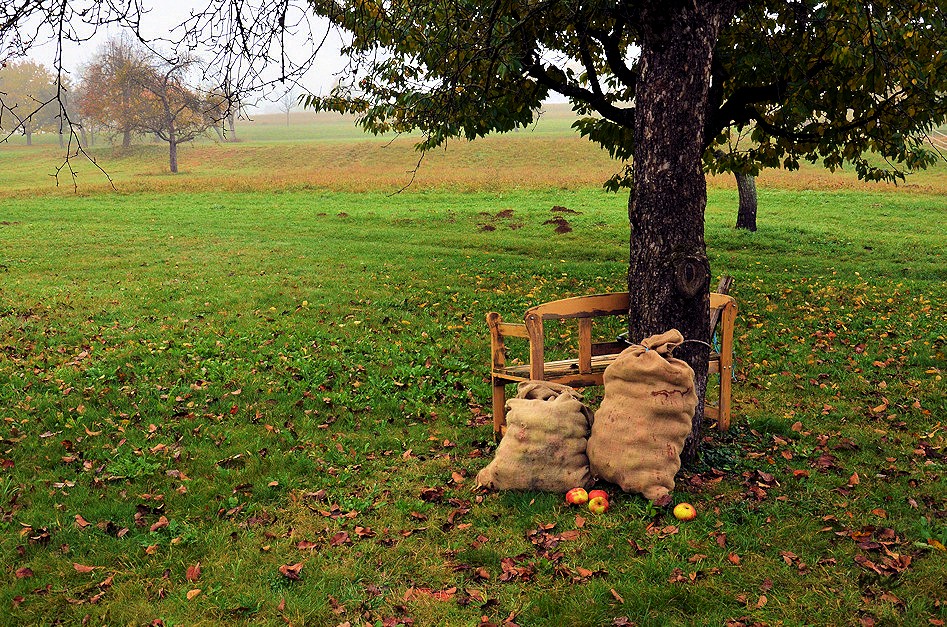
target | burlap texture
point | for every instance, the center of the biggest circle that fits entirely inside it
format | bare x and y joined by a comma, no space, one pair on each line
544,446
646,415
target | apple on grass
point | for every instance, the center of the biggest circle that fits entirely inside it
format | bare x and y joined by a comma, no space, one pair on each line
598,505
685,511
601,493
577,496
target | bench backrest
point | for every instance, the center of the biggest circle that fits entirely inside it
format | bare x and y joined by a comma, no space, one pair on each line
584,309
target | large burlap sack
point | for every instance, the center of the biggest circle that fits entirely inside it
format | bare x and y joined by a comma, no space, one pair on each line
645,417
547,428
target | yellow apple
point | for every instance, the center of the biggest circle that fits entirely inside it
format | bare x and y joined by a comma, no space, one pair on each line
685,511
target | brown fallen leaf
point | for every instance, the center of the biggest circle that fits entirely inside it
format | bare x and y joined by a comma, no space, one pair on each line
291,571
80,568
193,572
193,593
306,545
24,573
161,524
617,596
81,522
281,605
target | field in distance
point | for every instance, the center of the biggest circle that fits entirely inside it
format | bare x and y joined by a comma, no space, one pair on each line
327,151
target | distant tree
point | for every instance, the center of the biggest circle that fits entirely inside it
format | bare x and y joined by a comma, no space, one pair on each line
289,102
170,109
29,99
111,87
222,108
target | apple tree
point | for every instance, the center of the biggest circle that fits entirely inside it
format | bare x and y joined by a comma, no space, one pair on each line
666,85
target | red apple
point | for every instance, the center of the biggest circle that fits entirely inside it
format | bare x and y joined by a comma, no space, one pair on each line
685,511
601,493
598,505
577,496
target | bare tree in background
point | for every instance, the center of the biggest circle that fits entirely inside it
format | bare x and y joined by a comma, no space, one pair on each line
289,102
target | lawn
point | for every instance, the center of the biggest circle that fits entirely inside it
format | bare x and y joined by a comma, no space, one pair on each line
265,401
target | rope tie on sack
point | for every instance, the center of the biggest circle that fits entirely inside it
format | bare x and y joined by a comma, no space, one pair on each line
624,338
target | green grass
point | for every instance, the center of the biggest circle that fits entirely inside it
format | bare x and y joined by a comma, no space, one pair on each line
267,368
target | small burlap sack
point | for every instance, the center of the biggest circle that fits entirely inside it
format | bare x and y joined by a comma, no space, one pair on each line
645,417
544,446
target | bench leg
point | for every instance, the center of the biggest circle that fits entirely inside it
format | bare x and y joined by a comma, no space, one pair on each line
723,420
499,408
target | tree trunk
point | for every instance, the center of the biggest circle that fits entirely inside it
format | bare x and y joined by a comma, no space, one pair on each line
173,155
746,214
233,127
29,136
127,138
172,147
669,274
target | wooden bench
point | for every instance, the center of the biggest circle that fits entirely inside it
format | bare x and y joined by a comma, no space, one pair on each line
589,366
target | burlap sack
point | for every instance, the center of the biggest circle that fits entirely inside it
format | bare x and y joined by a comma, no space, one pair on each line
544,446
645,417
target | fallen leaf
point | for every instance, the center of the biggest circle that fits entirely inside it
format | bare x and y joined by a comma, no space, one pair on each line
83,569
193,572
82,522
193,593
160,524
24,573
291,571
617,596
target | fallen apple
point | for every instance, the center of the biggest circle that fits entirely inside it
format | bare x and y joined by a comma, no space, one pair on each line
598,505
685,511
577,496
601,493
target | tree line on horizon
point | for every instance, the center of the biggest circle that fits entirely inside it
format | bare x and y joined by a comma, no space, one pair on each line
125,92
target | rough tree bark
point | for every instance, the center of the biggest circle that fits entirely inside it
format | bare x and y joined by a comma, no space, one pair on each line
746,214
172,150
669,274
